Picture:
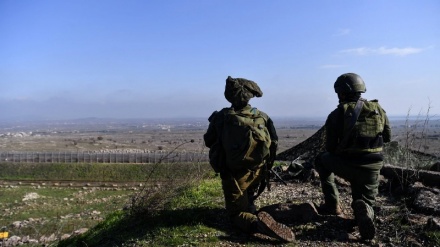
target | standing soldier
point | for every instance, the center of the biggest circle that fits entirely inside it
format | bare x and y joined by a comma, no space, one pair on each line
242,142
355,133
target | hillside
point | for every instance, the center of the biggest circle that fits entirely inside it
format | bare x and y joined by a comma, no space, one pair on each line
192,213
407,212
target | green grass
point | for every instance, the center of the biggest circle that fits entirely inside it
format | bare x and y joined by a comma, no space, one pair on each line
195,217
208,194
62,210
56,210
97,171
188,219
433,237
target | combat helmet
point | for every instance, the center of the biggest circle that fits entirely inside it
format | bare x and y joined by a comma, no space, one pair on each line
350,83
239,91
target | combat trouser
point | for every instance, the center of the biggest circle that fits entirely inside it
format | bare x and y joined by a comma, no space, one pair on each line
238,190
363,177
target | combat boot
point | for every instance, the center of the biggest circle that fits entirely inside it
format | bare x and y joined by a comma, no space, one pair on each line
268,226
364,216
330,209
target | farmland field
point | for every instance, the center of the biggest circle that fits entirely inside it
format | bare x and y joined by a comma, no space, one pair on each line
99,136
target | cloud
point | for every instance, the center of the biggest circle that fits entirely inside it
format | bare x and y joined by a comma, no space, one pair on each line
364,51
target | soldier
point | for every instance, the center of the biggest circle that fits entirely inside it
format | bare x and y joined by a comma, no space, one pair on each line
242,162
355,133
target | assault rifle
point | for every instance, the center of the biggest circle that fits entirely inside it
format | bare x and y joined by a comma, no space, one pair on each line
277,176
274,172
265,182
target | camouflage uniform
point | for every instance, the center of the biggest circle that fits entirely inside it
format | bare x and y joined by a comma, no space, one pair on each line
357,159
361,170
239,182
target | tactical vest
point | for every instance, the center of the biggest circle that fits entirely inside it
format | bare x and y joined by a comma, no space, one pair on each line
365,136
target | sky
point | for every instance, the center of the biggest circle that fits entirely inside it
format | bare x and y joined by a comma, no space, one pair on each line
170,58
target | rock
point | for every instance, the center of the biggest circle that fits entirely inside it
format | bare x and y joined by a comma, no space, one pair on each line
80,231
288,213
426,199
25,239
341,182
13,241
94,212
65,236
433,224
43,239
16,224
30,196
406,176
32,242
435,167
51,238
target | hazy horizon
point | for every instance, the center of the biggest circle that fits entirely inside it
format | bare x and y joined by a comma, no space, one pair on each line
276,119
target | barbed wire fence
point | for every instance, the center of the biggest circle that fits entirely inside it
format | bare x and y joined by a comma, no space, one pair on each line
149,157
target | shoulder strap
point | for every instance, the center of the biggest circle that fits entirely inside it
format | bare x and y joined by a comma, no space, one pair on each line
356,112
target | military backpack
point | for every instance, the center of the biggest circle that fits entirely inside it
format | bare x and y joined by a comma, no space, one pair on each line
243,139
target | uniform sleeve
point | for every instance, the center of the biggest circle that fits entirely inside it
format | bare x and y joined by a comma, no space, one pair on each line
333,129
210,137
272,131
386,134
274,140
270,127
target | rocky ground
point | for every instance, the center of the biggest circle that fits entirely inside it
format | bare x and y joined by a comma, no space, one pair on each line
407,214
404,216
401,220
